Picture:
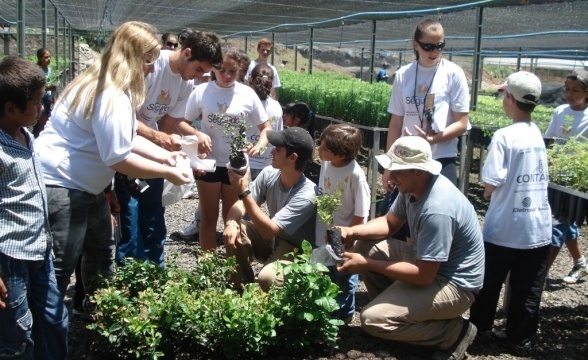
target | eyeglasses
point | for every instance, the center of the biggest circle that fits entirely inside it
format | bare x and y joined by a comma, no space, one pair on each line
171,44
430,47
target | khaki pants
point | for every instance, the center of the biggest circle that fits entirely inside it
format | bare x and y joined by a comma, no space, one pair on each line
267,252
423,315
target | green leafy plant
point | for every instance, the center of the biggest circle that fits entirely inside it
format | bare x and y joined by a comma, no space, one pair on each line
235,129
327,205
304,304
568,163
145,312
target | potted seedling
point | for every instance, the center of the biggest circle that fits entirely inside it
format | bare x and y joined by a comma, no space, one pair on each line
326,206
235,129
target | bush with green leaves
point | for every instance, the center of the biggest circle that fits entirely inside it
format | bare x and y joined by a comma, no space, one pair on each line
148,312
568,163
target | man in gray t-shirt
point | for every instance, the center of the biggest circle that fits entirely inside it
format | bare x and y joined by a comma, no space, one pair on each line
420,288
289,197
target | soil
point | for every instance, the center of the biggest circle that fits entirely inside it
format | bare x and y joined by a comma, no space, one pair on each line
564,308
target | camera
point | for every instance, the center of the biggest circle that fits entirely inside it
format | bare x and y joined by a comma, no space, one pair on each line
133,185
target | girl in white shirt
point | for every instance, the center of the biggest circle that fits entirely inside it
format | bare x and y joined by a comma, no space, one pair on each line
212,102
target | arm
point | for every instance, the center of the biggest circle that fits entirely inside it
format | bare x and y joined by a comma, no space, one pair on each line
166,141
488,189
262,143
394,132
3,294
420,273
232,231
452,131
376,229
139,167
357,220
263,223
149,150
183,127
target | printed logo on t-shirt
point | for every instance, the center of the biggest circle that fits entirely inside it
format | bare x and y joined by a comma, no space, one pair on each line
162,104
540,175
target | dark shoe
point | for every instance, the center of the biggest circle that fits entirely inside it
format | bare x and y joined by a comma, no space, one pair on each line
458,350
523,349
84,312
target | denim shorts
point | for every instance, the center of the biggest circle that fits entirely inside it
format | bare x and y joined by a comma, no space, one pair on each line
563,231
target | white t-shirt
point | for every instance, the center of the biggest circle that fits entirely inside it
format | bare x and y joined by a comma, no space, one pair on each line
167,93
276,83
355,199
566,122
208,101
77,153
274,111
519,215
450,86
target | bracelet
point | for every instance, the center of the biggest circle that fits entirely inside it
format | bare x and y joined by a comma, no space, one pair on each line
242,195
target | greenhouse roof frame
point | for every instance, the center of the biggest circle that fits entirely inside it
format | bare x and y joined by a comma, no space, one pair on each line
508,24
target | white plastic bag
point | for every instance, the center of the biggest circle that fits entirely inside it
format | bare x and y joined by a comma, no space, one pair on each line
190,147
174,193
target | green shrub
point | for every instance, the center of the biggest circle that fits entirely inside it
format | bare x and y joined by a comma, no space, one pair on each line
148,312
568,163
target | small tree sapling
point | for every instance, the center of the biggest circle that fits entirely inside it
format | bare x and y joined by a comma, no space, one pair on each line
326,206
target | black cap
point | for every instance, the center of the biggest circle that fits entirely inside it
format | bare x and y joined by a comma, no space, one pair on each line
294,138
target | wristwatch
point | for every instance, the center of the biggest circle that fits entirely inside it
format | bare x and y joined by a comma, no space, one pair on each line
242,195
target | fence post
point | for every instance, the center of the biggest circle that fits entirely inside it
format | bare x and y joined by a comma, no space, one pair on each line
373,165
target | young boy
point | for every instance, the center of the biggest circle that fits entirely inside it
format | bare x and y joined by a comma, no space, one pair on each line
569,120
517,227
339,146
33,318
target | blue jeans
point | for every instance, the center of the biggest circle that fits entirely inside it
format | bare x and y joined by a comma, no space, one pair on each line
142,224
346,298
80,224
34,323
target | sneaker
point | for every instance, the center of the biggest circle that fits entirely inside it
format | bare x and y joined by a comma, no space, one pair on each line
190,231
458,350
575,275
524,349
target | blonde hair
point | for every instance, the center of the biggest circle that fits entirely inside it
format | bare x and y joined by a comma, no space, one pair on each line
120,67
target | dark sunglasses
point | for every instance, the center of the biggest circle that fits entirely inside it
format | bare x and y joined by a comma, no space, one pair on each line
171,44
430,47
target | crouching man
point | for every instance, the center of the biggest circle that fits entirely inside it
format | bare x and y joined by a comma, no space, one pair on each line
420,289
289,197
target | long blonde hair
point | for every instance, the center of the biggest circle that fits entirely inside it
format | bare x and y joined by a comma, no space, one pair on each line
120,67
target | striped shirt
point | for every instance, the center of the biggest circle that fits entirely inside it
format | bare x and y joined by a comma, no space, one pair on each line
24,220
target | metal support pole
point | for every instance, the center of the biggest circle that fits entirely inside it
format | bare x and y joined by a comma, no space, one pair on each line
311,49
450,54
295,57
375,173
71,54
64,41
245,45
400,59
477,56
6,40
519,60
361,65
44,23
56,37
372,51
20,29
273,47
